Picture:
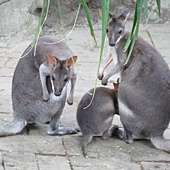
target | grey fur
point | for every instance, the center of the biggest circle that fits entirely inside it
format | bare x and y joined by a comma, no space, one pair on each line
27,100
144,90
97,118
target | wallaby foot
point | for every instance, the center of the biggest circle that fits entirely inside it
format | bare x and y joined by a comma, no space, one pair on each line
86,139
63,131
106,135
70,100
13,128
127,136
160,143
46,97
115,131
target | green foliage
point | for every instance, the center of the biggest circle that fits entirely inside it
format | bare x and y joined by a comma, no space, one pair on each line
83,2
135,28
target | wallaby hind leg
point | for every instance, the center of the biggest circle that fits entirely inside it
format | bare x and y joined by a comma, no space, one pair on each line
73,83
160,143
13,128
106,134
115,131
86,139
56,129
127,136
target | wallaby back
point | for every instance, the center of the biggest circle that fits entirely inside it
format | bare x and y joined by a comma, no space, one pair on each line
144,90
97,118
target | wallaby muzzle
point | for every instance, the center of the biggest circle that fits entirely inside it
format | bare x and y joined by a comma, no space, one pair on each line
57,93
112,43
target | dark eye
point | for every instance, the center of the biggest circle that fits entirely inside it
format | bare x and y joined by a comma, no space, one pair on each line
107,30
53,78
66,79
120,31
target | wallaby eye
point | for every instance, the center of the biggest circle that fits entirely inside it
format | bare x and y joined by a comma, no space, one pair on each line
120,31
53,78
66,79
107,30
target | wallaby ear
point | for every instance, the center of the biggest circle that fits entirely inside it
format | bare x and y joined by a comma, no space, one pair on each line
169,67
70,62
124,15
51,59
100,13
116,86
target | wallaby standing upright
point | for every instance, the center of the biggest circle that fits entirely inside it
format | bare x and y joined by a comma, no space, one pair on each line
27,100
144,90
97,118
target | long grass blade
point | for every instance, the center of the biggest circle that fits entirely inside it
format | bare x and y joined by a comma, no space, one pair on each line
139,4
105,14
39,23
32,9
83,2
158,2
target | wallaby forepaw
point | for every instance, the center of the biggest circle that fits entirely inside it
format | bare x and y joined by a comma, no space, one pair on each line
100,76
70,101
46,97
104,82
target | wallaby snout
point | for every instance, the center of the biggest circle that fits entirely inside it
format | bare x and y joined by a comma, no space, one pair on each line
112,43
57,93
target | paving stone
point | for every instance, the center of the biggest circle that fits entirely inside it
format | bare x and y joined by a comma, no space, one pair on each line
155,166
52,162
102,164
19,161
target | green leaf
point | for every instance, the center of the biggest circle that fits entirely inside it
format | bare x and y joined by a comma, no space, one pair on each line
39,23
88,18
159,7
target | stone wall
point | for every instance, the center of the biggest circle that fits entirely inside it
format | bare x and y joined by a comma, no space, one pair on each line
14,14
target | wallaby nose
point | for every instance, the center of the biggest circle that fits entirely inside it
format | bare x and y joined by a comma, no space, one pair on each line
57,93
112,43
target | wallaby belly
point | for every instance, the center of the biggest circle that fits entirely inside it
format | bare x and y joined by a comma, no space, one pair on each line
144,95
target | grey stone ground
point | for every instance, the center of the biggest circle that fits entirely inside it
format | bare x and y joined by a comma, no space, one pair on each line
38,151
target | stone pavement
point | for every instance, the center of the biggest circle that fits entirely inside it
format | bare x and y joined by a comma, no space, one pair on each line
39,151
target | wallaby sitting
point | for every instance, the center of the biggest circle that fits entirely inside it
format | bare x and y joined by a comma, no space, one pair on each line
27,100
144,90
97,117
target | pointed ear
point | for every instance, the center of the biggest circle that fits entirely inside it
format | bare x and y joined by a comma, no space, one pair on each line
124,15
51,59
70,62
100,12
116,86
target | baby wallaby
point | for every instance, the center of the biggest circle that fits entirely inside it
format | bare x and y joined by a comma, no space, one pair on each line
97,118
27,100
61,52
144,90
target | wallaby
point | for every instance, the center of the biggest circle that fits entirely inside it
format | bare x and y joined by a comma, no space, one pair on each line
61,52
97,118
27,100
144,90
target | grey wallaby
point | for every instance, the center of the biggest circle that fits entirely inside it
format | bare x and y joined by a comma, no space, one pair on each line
28,105
97,118
144,89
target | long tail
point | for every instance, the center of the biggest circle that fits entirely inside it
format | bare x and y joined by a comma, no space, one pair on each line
160,143
13,128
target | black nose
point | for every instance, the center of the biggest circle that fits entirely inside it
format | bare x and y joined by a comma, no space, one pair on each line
57,93
112,44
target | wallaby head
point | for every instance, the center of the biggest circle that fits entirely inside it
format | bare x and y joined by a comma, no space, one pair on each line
60,73
116,27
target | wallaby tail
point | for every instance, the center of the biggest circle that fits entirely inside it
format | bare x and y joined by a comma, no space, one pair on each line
13,128
160,143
